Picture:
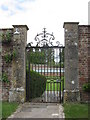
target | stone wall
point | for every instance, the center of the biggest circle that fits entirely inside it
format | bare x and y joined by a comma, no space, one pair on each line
84,60
77,61
14,90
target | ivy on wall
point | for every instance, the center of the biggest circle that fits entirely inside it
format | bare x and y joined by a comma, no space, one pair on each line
6,37
5,78
10,56
86,87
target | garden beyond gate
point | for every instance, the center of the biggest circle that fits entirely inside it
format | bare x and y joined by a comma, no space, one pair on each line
45,70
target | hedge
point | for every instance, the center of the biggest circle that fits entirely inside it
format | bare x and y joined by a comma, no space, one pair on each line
37,84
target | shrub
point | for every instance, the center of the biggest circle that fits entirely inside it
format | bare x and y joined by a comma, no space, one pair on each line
36,85
86,87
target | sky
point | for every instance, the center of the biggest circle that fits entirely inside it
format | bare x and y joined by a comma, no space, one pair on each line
37,14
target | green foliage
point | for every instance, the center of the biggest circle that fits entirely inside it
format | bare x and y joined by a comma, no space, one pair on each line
37,84
36,57
54,84
44,56
10,56
5,78
6,38
58,65
86,87
14,54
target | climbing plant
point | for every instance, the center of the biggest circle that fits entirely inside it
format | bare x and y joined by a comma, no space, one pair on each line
5,78
6,37
86,87
10,56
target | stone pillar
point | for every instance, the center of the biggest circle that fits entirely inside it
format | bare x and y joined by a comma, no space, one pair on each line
0,76
71,61
0,66
89,54
17,91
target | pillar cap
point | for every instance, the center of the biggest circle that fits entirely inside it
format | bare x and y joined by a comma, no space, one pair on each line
70,23
20,26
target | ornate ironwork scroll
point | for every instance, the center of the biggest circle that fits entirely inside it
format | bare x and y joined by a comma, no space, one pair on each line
44,38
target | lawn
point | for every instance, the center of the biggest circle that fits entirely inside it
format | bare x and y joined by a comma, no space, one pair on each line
0,110
8,109
75,110
53,85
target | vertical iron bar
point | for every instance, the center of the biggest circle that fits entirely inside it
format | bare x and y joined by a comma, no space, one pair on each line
54,75
50,91
57,70
38,67
47,85
29,82
45,93
41,64
35,58
50,75
44,60
26,73
60,75
35,67
63,75
26,80
54,89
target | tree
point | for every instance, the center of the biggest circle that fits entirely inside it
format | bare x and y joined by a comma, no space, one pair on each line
44,55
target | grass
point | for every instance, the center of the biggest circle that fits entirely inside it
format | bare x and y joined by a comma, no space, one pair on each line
75,110
8,109
0,110
53,85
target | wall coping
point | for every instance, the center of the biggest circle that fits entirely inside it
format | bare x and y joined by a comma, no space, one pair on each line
69,23
21,26
6,29
14,26
84,25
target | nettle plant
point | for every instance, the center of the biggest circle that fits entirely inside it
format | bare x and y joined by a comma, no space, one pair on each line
10,56
6,37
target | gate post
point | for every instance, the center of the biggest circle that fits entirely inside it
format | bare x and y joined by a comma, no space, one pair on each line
18,90
71,61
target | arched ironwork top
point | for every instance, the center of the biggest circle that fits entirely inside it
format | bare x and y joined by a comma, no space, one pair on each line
44,38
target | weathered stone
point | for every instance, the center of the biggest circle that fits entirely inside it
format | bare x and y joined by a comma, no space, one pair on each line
77,60
71,55
15,70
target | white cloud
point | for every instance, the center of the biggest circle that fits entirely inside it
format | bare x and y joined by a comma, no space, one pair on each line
43,13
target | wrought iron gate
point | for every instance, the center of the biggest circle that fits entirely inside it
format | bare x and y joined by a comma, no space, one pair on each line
46,60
